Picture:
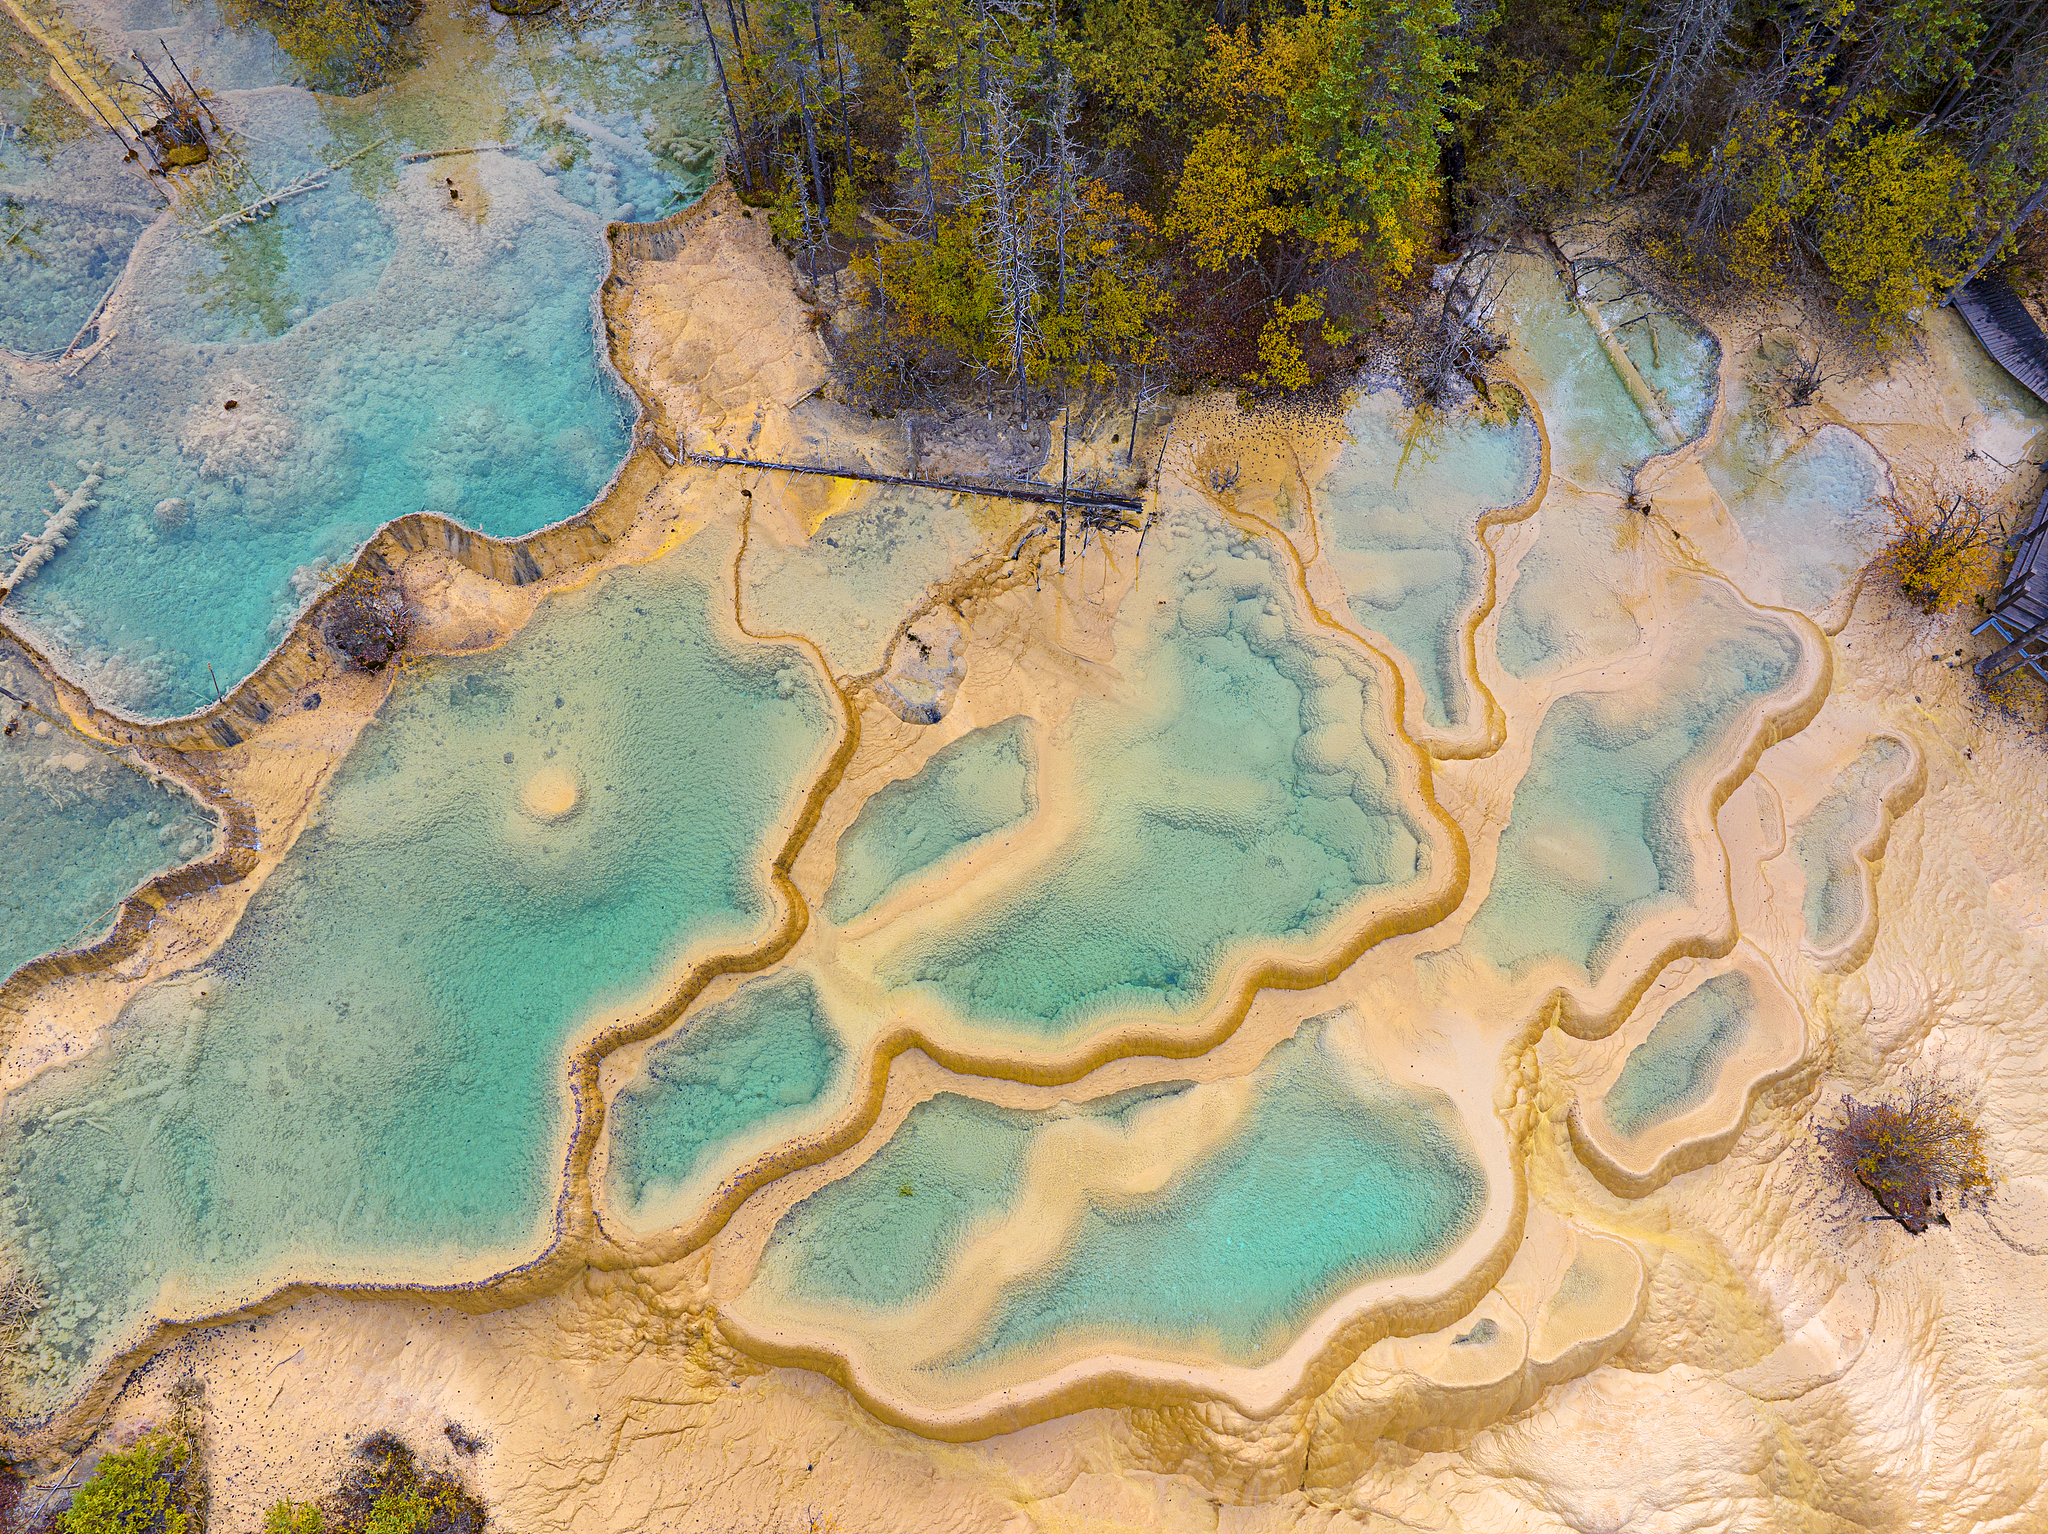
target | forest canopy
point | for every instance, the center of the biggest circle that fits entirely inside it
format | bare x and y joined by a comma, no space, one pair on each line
1093,190
1044,194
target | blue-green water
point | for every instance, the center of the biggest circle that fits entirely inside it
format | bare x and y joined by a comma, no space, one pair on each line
1674,1069
1826,839
734,1070
1676,358
375,1086
1399,511
1596,841
389,349
972,788
82,829
1236,790
882,1235
1326,1182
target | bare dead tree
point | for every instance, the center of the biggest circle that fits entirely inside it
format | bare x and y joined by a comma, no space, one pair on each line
1687,38
739,138
924,157
1059,123
1007,228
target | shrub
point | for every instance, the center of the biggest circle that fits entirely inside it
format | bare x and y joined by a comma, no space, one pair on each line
152,1488
1941,548
1908,1152
390,1494
287,1517
370,620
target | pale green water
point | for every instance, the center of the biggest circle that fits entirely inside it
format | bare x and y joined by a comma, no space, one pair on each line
977,785
1237,791
731,1071
81,828
1674,1069
1399,511
882,1235
1677,359
376,1086
861,573
1568,601
1325,1183
1596,841
1825,842
387,351
1807,498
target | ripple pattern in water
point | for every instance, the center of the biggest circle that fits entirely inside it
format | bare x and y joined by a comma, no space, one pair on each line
1399,512
1597,841
978,1234
372,1083
736,1071
1237,789
83,828
982,782
388,348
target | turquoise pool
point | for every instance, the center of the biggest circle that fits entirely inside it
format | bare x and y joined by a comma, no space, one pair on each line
371,1085
1674,1069
1329,1177
1238,788
976,786
388,349
1399,513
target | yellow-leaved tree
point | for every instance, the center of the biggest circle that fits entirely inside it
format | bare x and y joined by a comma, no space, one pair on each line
1892,221
1317,144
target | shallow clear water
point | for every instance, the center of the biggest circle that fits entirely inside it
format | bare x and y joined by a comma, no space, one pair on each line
1569,599
1326,1179
389,348
1675,356
985,780
1674,1069
1597,432
1825,841
1399,511
82,829
881,1236
860,574
1596,841
1805,499
735,1071
1235,790
374,1085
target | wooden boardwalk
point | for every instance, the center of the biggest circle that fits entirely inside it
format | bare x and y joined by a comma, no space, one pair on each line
2019,614
1998,317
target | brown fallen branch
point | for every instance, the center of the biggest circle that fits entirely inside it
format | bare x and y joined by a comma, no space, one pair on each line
442,154
1043,495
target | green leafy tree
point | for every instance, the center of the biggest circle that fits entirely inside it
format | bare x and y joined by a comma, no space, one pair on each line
1319,138
147,1489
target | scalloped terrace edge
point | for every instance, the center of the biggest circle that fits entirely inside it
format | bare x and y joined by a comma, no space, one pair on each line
1684,1146
1342,1330
575,543
1899,794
